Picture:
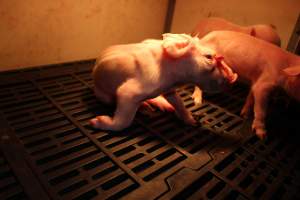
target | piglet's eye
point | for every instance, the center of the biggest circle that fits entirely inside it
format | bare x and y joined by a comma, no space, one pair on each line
208,56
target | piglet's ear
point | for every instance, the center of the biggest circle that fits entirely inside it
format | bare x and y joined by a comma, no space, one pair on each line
177,45
292,71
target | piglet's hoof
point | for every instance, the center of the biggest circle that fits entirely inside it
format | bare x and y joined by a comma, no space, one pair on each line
260,132
245,113
190,121
197,99
101,122
95,123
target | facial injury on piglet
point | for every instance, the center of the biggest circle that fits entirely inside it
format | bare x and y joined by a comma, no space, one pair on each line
227,71
292,71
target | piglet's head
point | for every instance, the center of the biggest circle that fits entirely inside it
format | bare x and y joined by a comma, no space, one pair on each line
222,73
292,85
186,49
212,69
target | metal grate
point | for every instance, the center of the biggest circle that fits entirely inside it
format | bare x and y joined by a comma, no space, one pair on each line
209,186
47,110
71,164
255,177
10,188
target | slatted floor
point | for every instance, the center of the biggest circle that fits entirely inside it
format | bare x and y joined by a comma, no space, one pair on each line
45,111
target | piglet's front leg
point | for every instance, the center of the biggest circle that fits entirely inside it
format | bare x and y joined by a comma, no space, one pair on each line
248,106
261,91
181,111
197,95
161,103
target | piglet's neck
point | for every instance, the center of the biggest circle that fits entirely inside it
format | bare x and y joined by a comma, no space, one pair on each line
292,87
294,60
179,70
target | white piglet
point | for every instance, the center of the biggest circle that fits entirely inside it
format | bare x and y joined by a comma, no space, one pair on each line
131,74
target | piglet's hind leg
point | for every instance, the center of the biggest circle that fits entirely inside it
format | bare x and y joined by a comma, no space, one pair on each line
124,114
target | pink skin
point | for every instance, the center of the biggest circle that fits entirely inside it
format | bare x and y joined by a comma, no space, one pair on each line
161,103
264,65
207,25
129,75
261,31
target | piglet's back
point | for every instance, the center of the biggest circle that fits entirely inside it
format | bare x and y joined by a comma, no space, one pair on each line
208,25
112,68
121,62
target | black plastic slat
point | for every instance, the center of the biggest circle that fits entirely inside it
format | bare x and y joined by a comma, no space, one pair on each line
157,157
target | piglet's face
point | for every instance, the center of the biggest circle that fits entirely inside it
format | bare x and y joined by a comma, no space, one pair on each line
212,72
220,75
216,73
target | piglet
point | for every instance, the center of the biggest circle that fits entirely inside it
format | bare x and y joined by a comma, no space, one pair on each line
207,25
261,63
262,31
131,74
